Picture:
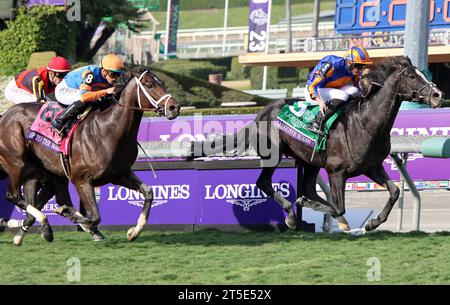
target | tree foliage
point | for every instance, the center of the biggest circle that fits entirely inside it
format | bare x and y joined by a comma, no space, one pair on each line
105,16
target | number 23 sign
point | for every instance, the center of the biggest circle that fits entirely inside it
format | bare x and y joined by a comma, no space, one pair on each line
353,16
258,24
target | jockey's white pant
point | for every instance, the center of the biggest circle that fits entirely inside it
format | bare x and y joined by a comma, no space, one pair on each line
328,94
18,95
66,95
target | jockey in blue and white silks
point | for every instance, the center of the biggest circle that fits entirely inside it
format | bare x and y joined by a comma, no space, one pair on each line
334,80
85,85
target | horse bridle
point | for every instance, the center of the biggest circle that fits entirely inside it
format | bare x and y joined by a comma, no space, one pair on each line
415,95
152,101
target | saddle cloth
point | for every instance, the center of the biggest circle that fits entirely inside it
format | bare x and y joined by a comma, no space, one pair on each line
295,119
41,132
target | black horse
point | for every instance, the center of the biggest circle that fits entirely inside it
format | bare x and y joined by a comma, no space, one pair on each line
359,141
104,148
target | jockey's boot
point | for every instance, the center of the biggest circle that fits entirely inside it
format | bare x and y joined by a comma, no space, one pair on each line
69,113
318,124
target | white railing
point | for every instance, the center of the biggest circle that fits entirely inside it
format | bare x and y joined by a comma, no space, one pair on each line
204,43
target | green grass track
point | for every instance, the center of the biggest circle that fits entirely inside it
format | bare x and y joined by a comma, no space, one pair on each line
215,257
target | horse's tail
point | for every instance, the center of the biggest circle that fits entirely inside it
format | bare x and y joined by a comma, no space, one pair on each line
229,145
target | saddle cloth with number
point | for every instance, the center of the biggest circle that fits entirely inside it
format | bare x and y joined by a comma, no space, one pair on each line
41,132
295,119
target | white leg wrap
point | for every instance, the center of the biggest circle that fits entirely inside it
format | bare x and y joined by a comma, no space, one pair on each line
14,223
86,228
36,214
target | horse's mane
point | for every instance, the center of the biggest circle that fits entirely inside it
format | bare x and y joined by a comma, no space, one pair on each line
379,74
125,78
382,71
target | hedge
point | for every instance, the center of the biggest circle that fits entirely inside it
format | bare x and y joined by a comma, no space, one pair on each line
36,29
190,91
193,68
278,77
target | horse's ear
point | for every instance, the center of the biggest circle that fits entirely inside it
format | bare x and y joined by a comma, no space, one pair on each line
408,59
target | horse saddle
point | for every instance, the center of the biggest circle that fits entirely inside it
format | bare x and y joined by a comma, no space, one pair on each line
42,133
295,119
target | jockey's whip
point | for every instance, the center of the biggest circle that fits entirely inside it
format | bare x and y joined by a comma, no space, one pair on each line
149,163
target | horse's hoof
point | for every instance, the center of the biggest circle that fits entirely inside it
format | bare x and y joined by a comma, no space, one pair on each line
370,225
291,223
17,240
98,237
343,226
48,236
130,234
60,210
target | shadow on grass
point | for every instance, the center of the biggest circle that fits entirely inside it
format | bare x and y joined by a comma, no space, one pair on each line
210,237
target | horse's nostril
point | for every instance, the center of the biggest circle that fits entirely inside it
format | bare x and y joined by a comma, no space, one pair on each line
436,94
172,108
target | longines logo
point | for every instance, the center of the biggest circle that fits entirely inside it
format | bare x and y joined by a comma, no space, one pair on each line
244,195
161,194
47,209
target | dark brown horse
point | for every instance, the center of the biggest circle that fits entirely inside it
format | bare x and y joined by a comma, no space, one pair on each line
104,148
358,142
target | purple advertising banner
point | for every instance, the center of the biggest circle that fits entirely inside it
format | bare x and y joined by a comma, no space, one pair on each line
230,196
257,25
46,2
408,122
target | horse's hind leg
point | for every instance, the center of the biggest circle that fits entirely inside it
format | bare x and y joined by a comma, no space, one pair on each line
310,198
87,198
264,183
379,175
38,201
337,185
133,182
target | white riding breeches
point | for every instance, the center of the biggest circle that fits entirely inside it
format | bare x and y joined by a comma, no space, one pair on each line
328,94
18,95
66,95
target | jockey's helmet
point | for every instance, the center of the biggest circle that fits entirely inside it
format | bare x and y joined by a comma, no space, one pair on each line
112,63
358,55
59,65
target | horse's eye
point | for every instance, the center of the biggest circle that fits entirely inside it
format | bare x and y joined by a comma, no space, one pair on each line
412,76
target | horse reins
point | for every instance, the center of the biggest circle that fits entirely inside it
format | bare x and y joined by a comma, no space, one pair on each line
418,92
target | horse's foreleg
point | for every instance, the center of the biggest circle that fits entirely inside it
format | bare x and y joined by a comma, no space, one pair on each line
379,175
264,183
133,182
337,185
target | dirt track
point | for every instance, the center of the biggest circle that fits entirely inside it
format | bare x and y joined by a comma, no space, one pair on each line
435,208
